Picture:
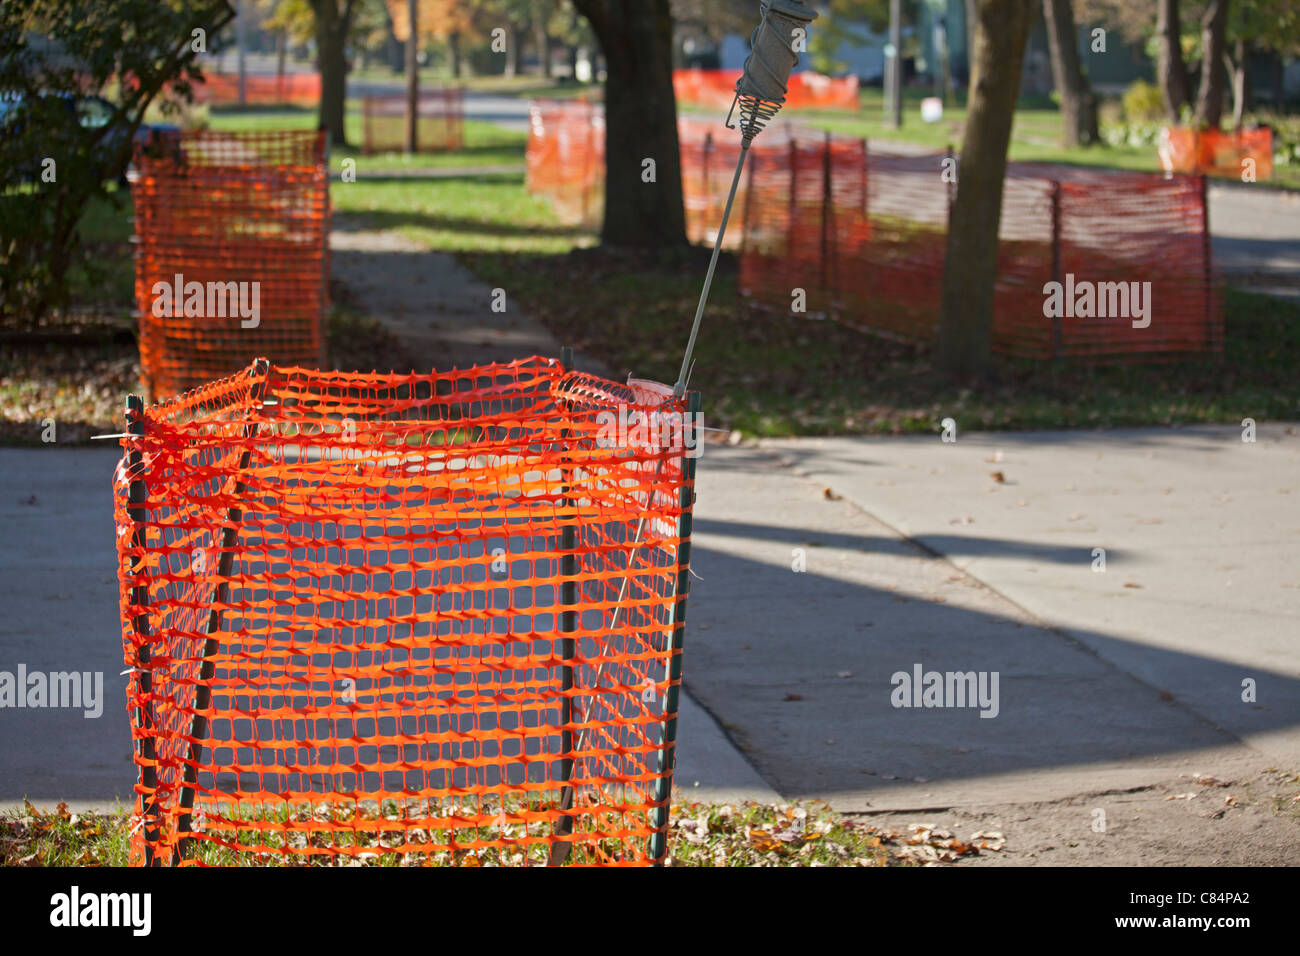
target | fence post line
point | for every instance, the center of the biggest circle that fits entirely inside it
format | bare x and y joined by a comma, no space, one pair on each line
828,208
568,623
794,197
137,498
260,372
322,337
1057,331
949,190
866,181
1207,263
663,790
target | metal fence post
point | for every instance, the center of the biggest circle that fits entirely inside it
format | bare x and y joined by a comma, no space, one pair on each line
211,627
1207,263
828,212
1057,331
668,755
568,623
137,498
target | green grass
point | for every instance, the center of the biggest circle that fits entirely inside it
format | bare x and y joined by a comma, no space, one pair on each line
463,214
777,374
485,143
1035,135
748,834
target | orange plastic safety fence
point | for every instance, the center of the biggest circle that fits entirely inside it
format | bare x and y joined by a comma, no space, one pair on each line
823,223
565,160
715,89
232,257
1229,153
440,121
296,89
427,619
867,241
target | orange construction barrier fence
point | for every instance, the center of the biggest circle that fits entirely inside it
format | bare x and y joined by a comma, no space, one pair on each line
715,89
293,89
439,127
422,619
232,253
1214,152
565,159
1129,252
864,234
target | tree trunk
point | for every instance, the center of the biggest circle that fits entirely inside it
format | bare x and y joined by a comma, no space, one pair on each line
970,43
511,69
411,131
1209,98
332,26
1237,73
1078,104
1172,69
640,123
971,260
453,49
542,41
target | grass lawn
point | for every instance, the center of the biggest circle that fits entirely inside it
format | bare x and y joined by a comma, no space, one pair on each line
1035,135
783,374
761,373
485,143
700,834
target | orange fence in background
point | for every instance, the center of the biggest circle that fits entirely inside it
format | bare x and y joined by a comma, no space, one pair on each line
864,235
427,619
1130,251
566,157
716,89
232,256
440,121
294,89
1217,152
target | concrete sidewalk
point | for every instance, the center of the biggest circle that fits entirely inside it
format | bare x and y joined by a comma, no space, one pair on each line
1108,680
912,553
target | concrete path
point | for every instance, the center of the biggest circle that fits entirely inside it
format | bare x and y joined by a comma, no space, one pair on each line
1107,680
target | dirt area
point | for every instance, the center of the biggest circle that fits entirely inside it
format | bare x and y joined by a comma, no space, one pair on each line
1190,821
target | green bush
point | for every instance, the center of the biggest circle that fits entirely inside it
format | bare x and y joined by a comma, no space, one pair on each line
1143,102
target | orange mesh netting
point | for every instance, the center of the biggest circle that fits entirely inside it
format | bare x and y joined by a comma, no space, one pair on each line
295,89
715,89
867,242
864,235
1217,152
432,619
440,121
566,157
243,220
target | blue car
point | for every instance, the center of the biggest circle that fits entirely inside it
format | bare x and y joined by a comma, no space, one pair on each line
93,113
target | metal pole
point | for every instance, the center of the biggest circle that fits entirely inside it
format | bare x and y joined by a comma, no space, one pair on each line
1207,262
682,376
1057,331
668,754
212,626
568,624
137,498
412,75
894,68
241,40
